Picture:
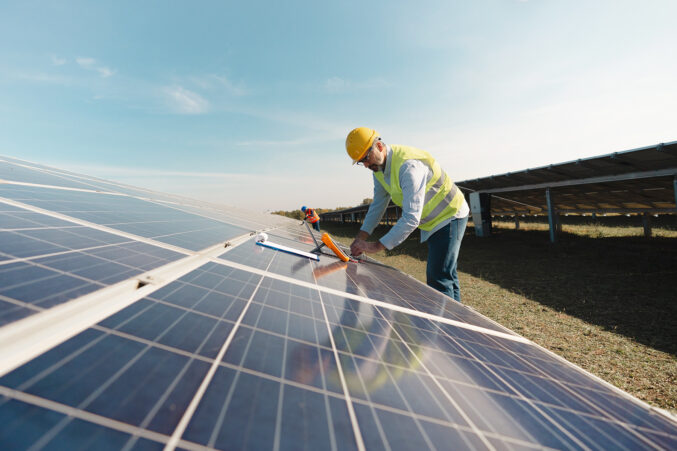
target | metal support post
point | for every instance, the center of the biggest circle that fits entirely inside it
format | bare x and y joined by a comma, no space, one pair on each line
552,219
646,222
517,222
480,206
674,183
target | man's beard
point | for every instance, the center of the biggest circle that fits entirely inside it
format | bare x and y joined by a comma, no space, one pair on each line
376,168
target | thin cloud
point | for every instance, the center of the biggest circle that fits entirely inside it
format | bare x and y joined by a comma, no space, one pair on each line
335,84
213,81
90,64
184,101
56,61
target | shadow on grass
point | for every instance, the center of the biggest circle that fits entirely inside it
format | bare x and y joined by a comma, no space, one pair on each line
627,285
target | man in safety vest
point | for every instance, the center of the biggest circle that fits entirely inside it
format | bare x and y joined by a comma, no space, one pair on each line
429,200
312,217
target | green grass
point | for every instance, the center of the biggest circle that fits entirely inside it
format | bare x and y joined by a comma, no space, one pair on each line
602,297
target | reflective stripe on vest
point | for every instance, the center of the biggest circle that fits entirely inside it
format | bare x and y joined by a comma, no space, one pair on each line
442,196
312,216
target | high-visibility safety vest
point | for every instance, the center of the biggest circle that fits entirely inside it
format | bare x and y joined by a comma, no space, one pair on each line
442,196
312,216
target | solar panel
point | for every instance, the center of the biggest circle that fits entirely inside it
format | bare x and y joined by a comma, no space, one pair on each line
149,322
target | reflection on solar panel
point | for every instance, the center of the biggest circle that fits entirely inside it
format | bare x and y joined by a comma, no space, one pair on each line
137,320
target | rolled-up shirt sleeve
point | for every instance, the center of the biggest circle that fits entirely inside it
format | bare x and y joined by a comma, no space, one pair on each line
413,179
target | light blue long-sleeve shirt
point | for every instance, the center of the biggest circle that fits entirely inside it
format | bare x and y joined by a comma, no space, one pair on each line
414,175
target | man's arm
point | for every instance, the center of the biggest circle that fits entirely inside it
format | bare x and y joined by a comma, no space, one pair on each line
373,217
413,179
376,208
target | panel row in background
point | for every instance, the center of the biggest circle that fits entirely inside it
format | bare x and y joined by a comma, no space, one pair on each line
21,171
411,381
127,214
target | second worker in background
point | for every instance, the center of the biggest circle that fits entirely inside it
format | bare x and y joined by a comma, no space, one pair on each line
312,217
429,200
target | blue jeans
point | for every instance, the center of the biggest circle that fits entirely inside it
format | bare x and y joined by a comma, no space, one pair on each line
443,249
316,226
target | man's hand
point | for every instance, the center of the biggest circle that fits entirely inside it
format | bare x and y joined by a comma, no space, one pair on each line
358,247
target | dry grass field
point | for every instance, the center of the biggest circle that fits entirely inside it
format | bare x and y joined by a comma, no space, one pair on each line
603,297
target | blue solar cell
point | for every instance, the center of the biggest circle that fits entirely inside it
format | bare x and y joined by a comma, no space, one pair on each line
258,351
49,291
17,219
10,312
23,426
223,419
75,237
105,375
19,246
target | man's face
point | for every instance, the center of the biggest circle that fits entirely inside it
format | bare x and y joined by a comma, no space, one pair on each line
376,158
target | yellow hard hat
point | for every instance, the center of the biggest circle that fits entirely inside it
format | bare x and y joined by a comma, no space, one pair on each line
359,141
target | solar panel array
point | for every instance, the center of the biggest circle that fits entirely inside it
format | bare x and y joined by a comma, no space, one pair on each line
138,320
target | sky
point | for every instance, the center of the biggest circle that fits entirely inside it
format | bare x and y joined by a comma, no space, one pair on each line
248,103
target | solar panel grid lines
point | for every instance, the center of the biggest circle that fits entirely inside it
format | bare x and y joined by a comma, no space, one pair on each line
131,215
71,412
190,410
397,357
494,340
25,339
247,355
83,268
89,344
213,213
365,382
344,385
218,216
528,400
539,406
178,202
372,285
378,405
62,188
369,281
513,337
20,173
91,225
50,280
280,401
322,356
661,416
174,205
297,338
93,184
